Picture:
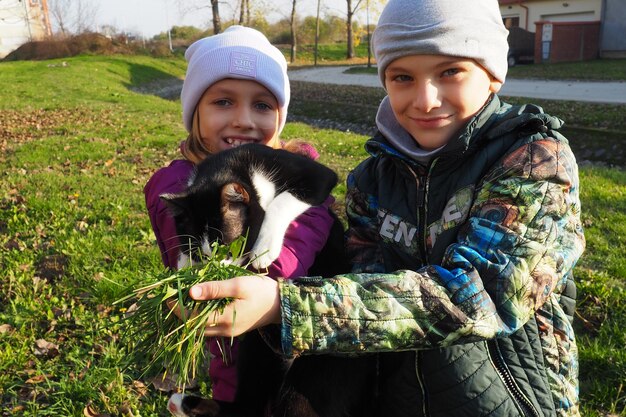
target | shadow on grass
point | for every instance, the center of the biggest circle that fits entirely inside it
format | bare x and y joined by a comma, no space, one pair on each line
597,146
145,79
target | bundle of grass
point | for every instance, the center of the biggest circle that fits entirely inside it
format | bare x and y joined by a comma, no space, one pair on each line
160,341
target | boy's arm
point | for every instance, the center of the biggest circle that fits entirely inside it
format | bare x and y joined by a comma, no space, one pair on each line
521,241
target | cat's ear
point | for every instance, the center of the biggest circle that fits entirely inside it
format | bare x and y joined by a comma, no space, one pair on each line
176,203
234,205
234,193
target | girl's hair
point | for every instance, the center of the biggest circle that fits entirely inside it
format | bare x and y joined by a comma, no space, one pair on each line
194,150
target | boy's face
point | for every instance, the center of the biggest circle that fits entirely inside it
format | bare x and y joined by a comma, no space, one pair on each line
235,112
433,96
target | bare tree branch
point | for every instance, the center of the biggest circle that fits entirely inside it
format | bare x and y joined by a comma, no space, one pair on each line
74,16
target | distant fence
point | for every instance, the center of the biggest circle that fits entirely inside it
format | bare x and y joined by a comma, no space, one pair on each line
566,41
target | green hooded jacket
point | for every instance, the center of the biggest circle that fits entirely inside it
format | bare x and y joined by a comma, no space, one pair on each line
462,273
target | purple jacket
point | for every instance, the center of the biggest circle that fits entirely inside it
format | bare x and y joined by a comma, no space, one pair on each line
305,237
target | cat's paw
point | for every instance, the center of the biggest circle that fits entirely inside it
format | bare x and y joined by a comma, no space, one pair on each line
181,405
264,253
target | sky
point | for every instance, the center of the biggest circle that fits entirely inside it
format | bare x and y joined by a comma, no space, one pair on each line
151,17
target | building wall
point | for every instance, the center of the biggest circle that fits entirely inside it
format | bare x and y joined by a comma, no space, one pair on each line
530,12
567,41
613,30
21,22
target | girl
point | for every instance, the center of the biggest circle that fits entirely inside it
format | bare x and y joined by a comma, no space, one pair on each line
236,91
464,230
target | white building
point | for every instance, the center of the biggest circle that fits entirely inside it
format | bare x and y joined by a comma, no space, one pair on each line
578,17
22,21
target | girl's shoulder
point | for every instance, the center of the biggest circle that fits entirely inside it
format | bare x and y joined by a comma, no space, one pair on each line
177,169
169,179
301,147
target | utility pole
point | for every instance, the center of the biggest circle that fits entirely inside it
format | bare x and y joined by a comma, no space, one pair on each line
317,33
167,23
369,46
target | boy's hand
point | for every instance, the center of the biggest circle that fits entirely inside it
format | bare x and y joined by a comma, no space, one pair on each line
256,304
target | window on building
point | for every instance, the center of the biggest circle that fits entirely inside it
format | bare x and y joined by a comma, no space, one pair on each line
511,22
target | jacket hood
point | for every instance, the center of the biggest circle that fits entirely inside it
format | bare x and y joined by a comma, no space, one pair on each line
495,119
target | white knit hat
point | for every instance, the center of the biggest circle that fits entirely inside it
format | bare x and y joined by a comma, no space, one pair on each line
463,28
238,52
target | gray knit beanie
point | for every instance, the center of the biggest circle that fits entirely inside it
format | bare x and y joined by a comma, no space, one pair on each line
238,52
463,28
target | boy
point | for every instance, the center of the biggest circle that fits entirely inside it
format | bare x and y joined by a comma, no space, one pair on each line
464,229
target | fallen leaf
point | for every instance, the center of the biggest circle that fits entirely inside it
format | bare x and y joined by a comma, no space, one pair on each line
45,348
125,410
91,411
37,379
52,267
140,388
165,383
5,328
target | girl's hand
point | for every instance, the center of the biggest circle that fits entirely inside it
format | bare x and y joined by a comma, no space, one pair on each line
256,304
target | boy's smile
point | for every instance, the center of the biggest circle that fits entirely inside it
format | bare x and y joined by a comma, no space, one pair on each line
433,96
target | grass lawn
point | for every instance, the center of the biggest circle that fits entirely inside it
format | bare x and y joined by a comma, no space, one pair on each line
327,54
77,145
596,70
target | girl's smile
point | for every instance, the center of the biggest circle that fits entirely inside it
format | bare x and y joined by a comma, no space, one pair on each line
235,112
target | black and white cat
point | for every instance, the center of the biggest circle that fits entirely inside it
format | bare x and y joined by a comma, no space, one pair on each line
251,189
260,190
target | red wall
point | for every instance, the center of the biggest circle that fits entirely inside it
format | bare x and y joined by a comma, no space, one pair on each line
571,41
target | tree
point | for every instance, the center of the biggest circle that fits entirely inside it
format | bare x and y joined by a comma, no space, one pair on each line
349,34
217,23
194,6
73,16
58,10
244,12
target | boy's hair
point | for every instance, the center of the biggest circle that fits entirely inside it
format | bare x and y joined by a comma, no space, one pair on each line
238,52
463,28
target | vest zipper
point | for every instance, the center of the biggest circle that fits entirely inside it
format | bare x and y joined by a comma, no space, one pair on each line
421,205
426,182
502,369
420,198
418,373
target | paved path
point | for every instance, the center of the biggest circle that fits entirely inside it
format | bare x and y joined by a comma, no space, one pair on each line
598,92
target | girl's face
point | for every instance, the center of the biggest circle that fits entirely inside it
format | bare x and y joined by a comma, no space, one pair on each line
235,112
433,96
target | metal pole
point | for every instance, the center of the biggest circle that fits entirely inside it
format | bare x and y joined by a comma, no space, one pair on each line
369,47
317,32
167,23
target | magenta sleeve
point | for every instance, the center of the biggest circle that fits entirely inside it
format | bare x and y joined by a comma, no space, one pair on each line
171,179
304,239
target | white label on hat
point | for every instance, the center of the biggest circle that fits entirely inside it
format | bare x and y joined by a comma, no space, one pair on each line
243,64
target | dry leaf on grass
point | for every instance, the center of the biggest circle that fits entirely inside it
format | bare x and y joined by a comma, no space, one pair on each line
45,348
